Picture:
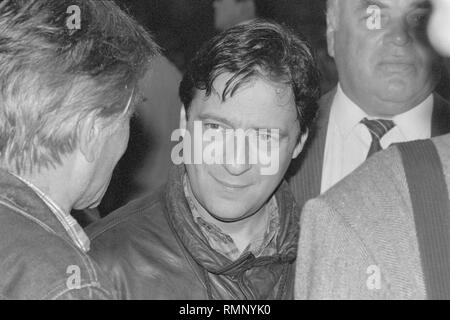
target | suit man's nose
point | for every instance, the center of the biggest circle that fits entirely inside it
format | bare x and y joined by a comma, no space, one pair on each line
399,33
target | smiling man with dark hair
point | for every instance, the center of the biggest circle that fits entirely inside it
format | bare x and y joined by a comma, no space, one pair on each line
223,230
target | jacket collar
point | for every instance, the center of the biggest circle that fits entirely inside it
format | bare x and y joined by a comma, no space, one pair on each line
182,223
440,123
305,172
20,198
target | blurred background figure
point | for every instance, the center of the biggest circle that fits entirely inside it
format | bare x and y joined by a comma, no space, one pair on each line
228,13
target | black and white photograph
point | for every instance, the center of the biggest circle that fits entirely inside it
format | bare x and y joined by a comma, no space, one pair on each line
224,150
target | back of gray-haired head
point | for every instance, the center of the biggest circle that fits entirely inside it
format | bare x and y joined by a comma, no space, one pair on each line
61,61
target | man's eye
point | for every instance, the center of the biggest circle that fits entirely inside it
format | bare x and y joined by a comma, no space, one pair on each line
212,126
419,19
265,136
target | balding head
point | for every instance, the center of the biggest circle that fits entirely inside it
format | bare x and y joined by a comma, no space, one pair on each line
386,70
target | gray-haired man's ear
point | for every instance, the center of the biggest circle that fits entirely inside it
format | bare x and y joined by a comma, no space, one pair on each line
89,131
300,145
183,118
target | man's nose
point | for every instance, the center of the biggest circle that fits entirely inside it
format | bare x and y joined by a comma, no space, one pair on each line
237,169
399,34
238,163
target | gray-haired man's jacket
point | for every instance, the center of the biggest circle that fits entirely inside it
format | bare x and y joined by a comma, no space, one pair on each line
38,259
358,240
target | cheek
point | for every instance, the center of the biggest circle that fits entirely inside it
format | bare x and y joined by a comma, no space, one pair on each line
357,51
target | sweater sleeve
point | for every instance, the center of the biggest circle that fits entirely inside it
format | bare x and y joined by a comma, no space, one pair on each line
333,263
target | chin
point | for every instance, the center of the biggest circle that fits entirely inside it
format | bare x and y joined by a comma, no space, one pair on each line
396,90
227,210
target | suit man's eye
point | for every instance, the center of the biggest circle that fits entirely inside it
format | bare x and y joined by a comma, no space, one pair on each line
419,19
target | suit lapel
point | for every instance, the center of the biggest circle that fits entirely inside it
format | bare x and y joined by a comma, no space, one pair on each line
306,171
440,123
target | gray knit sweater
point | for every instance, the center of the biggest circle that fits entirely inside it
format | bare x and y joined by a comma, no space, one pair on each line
358,240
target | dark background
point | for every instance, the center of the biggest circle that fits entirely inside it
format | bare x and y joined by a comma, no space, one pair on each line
181,26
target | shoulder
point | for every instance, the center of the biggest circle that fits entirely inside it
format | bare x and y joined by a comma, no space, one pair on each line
128,216
137,224
365,220
138,248
375,194
39,264
442,145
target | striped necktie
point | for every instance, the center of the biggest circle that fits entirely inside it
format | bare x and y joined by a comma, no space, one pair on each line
377,128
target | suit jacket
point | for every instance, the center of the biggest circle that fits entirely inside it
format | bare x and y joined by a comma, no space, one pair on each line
358,240
305,173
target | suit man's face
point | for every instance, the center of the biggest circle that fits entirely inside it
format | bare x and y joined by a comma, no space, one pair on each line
383,56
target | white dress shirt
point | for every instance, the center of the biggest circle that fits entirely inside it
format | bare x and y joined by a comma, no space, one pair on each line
348,141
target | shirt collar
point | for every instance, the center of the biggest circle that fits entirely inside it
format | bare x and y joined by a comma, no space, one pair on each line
71,226
345,113
414,124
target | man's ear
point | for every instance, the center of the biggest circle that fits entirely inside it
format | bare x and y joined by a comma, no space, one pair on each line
331,33
183,118
300,145
89,132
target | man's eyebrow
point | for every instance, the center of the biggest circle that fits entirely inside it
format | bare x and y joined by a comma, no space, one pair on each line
210,116
213,117
364,4
421,4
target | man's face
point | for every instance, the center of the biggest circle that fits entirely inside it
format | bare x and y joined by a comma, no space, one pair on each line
439,29
234,190
385,62
227,13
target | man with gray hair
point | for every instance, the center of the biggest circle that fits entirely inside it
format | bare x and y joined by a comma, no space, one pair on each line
68,71
387,76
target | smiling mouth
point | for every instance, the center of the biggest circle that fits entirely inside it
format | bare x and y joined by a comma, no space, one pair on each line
230,186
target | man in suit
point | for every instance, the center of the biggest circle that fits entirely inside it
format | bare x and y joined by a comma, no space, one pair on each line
387,77
383,232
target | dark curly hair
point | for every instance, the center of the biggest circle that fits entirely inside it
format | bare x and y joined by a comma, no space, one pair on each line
258,48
